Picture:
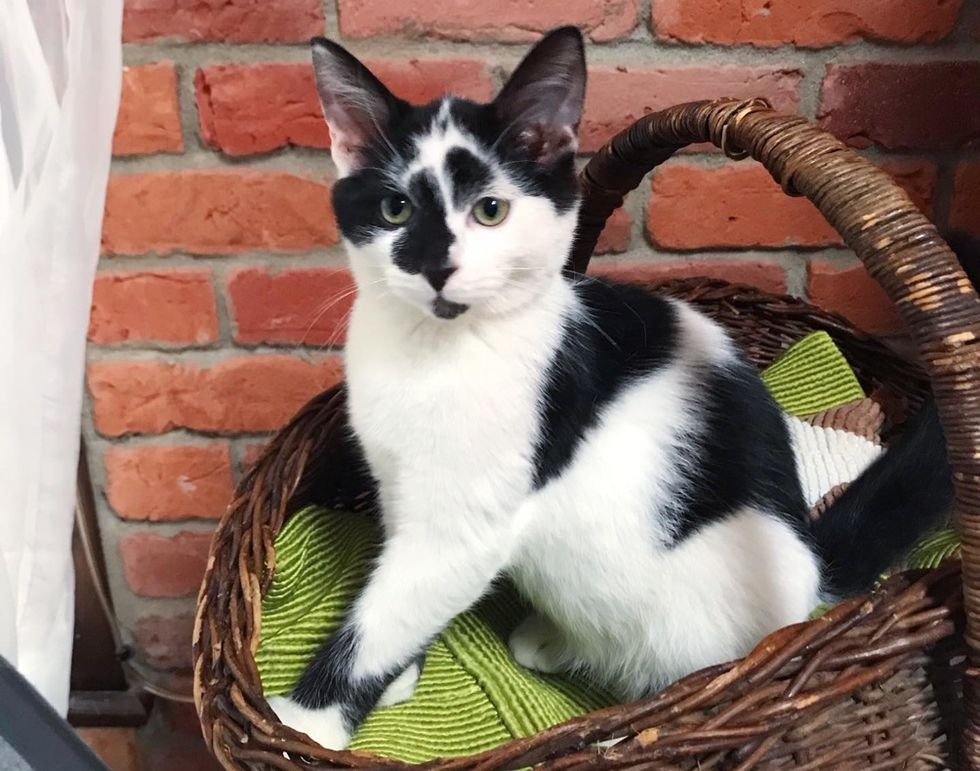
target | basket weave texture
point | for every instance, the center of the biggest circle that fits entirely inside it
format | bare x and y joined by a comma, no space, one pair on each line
878,682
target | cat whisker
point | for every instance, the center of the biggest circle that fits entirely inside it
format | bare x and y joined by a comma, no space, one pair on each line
343,321
587,319
321,311
330,303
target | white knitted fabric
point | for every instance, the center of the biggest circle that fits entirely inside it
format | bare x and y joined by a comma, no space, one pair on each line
827,457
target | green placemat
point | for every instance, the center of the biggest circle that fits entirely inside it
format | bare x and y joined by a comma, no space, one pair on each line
472,695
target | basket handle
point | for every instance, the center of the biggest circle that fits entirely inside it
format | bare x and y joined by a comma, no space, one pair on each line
899,247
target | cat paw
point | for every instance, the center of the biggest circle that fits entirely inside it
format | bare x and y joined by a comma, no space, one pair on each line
326,726
537,644
402,688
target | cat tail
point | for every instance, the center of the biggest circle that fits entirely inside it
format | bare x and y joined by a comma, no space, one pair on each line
904,494
900,497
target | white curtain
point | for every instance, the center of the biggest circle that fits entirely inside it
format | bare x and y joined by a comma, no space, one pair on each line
60,70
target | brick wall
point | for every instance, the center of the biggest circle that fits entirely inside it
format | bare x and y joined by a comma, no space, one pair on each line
222,292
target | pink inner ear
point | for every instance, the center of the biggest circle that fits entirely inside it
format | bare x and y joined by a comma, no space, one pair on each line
343,150
545,143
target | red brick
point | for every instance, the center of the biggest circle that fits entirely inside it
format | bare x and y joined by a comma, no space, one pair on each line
732,206
216,212
917,177
809,23
165,641
169,482
764,275
740,206
854,294
918,106
174,306
164,566
617,96
422,80
507,20
253,108
237,21
303,306
149,118
965,212
615,237
254,393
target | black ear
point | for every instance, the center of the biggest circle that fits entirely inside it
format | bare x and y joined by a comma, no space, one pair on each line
357,106
541,104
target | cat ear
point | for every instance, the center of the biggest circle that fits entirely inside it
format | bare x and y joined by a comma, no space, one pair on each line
357,106
541,103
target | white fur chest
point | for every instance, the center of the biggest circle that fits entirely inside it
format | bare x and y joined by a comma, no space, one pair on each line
450,401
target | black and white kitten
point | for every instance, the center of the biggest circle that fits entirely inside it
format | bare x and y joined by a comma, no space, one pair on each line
607,449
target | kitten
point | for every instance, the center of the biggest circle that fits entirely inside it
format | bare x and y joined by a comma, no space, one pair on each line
606,448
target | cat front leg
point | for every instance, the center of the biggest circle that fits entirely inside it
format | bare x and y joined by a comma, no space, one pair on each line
428,573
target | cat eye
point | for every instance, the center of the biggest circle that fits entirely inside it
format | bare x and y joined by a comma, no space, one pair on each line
490,211
396,209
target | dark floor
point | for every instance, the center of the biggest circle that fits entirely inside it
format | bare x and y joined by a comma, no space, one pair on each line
170,741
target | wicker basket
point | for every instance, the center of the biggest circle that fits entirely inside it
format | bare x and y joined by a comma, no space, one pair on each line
878,682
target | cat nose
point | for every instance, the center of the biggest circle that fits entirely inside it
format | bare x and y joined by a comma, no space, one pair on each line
437,277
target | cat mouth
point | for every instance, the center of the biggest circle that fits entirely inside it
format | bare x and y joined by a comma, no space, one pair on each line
447,309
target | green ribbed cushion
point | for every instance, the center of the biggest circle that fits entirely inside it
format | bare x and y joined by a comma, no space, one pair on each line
472,695
812,376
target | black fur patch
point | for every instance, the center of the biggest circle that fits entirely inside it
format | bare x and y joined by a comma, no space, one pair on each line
468,175
337,475
632,334
423,243
744,456
327,679
357,205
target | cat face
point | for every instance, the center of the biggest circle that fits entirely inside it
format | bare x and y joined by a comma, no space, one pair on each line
454,208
